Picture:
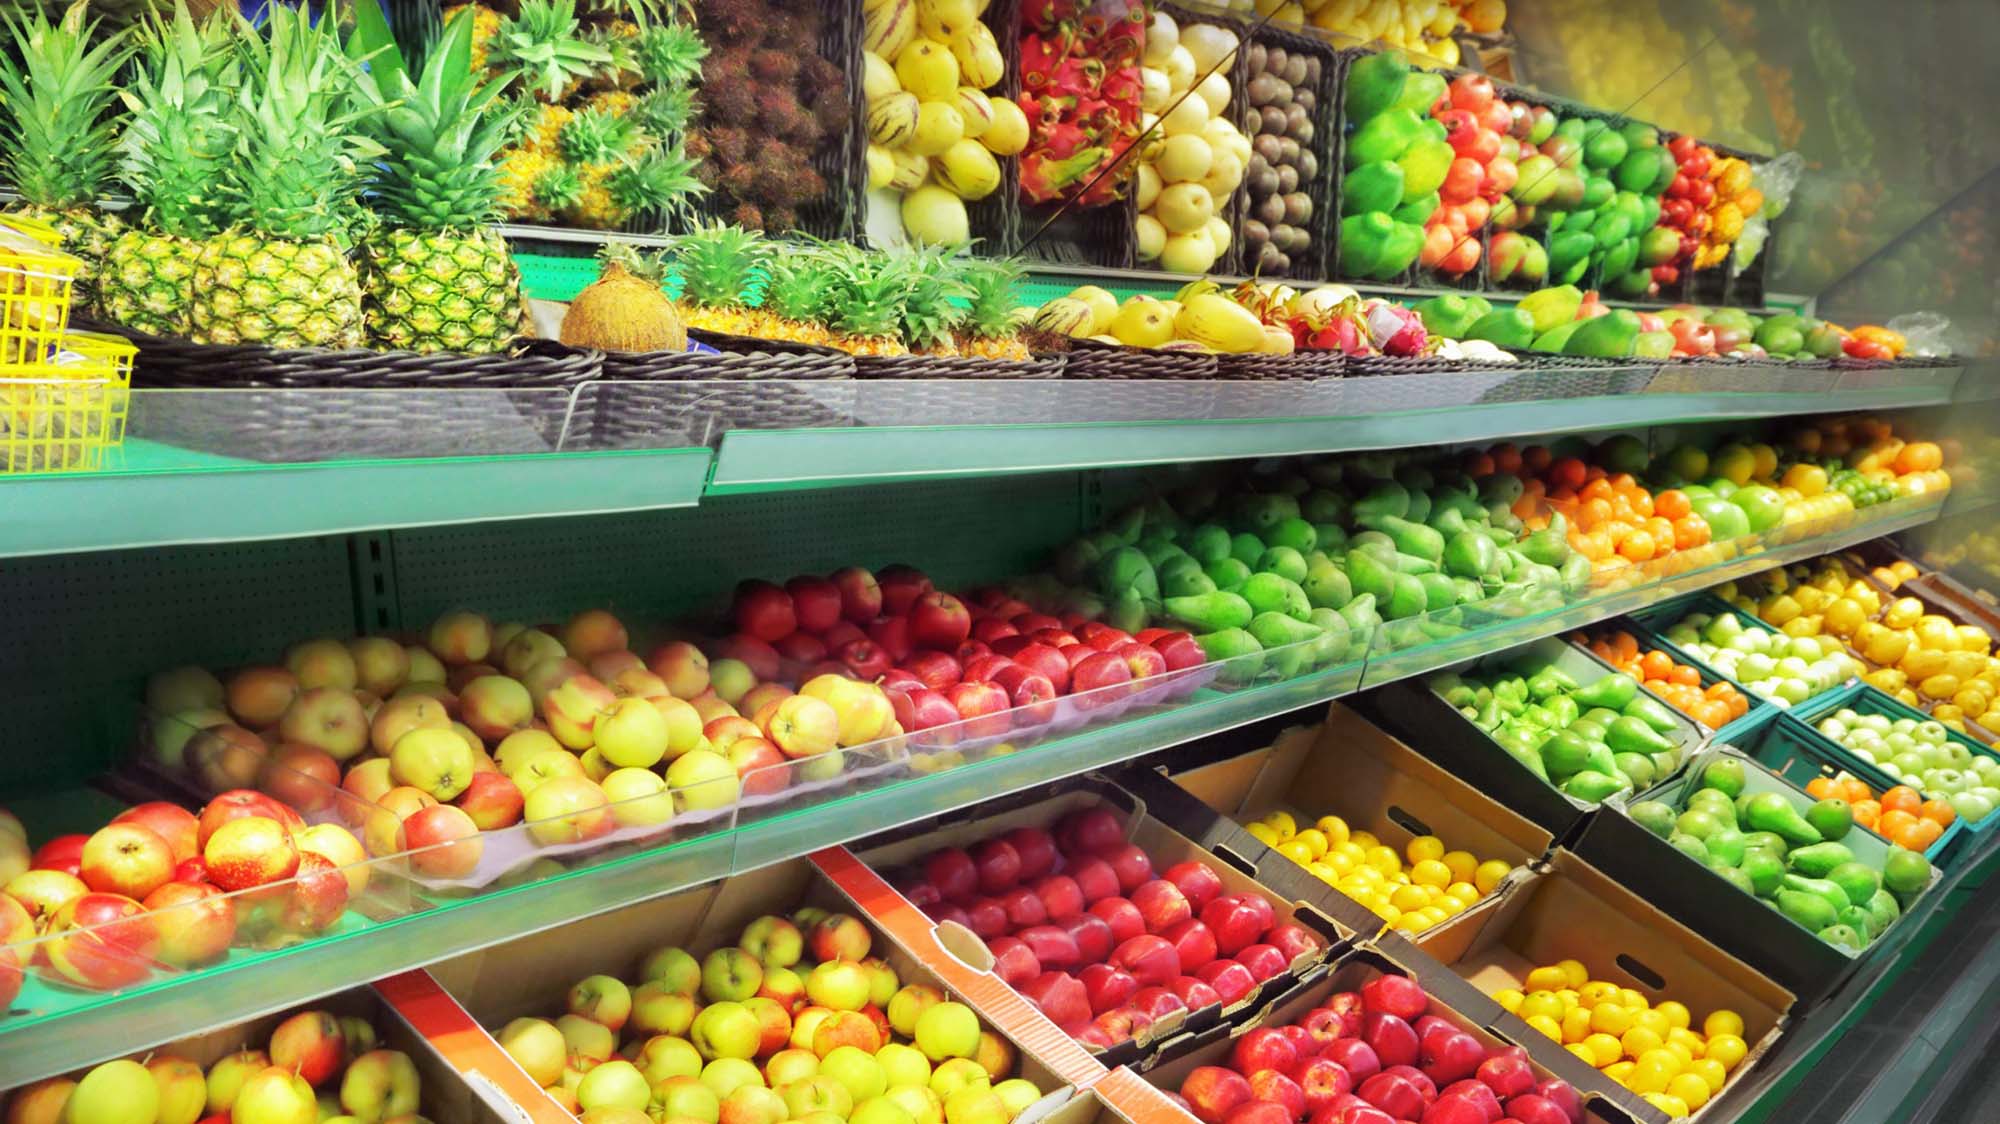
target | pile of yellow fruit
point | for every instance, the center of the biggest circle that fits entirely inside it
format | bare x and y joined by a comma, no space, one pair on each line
1420,25
1435,885
1924,659
1650,1049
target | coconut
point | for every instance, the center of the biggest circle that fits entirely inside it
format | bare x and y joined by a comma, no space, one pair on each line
623,311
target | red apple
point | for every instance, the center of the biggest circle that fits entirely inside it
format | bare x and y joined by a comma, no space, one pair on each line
1212,1091
445,842
101,941
193,870
1237,921
1394,1094
1264,961
865,659
1098,673
1151,959
991,629
1023,908
1145,662
1324,1025
1193,943
195,923
936,670
801,647
998,864
1089,831
1092,934
1560,1094
1390,1037
901,587
1195,992
127,859
1156,1003
315,898
1124,918
764,611
1292,939
983,669
1347,1005
1059,996
311,1045
1450,1057
1061,897
1161,904
842,633
1098,881
1260,1112
491,800
986,917
892,635
860,596
241,803
171,822
983,707
1355,1056
250,851
1043,660
1180,651
758,766
1261,1049
953,873
1274,1085
755,652
1054,947
1476,1105
932,711
1013,962
816,603
1197,882
1506,1075
1057,638
1032,694
1114,1027
1395,995
1321,1080
63,853
682,667
1107,987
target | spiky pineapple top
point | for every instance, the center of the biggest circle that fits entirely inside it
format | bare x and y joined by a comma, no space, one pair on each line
596,135
58,86
542,50
670,54
181,130
716,264
868,293
664,111
440,137
301,153
934,290
657,183
992,297
800,285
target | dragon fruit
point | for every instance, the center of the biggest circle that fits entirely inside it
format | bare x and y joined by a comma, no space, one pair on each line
1392,328
1338,328
1080,92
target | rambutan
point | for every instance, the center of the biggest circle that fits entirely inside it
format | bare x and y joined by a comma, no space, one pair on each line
731,146
730,21
747,215
830,110
781,115
775,67
780,219
820,73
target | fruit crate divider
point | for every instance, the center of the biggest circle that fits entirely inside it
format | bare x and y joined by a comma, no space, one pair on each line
1317,263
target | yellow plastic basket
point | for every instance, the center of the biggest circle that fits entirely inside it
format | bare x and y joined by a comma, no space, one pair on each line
61,415
36,282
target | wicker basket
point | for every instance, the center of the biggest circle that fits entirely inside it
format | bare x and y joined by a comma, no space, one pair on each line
955,367
1314,264
532,387
1088,359
1299,366
630,416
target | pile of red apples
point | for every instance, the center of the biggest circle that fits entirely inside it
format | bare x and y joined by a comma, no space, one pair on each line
1079,921
160,886
976,667
1375,1056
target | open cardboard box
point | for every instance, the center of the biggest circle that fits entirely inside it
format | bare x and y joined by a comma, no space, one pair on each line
906,846
445,1095
1574,911
531,976
1452,999
1348,767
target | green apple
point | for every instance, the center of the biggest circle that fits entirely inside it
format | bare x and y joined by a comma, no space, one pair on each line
842,985
124,1091
908,1004
730,974
753,1104
703,780
975,1106
904,1065
924,1106
955,1074
664,1056
684,1097
1017,1094
226,1078
880,1110
863,1076
818,1093
789,1065
587,1038
725,1075
674,968
639,797
601,999
537,1047
379,1084
614,1084
947,1030
633,734
726,1030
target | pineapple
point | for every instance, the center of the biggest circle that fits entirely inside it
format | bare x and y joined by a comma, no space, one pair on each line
543,52
281,274
180,134
715,264
990,331
521,170
670,54
485,25
796,291
440,279
934,286
58,135
596,136
867,299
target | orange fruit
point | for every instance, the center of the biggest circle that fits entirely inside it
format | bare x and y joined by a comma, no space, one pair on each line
1938,812
1637,547
1672,504
1902,798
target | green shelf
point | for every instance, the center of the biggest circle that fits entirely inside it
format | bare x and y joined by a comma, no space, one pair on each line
892,790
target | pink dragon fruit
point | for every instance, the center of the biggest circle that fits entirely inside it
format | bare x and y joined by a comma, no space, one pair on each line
1392,328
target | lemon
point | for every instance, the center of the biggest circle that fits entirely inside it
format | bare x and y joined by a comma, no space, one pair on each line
1582,1052
1431,872
1548,978
1424,847
1547,1026
1690,1089
1364,839
1610,1018
1727,1049
1313,838
1574,969
1263,833
1697,1046
1463,865
1671,1105
1296,851
1639,1040
1409,897
1334,828
1282,823
1575,1024
1654,1021
1598,991
1509,999
1632,999
1465,892
1384,859
1542,1003
1711,1073
1604,1049
1486,876
1619,1071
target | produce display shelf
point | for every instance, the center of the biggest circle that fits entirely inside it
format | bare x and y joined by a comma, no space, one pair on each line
34,1047
1050,426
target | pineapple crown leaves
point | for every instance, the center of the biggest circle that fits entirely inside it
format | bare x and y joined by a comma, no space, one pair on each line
934,299
596,135
665,111
57,137
180,130
800,283
717,262
658,182
627,257
559,188
301,115
440,133
543,51
869,291
992,296
670,54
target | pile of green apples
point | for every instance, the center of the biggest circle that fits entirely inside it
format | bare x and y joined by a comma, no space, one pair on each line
1787,852
1307,560
1784,670
1591,741
1922,755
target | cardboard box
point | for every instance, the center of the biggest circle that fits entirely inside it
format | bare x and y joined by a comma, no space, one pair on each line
1413,712
1348,767
1096,1105
1573,911
905,846
445,1094
531,975
1452,999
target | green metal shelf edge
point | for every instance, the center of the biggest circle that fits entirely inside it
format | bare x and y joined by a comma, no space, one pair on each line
184,503
770,460
160,1013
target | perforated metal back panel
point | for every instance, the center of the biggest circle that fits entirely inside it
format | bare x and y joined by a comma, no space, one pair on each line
670,564
81,633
